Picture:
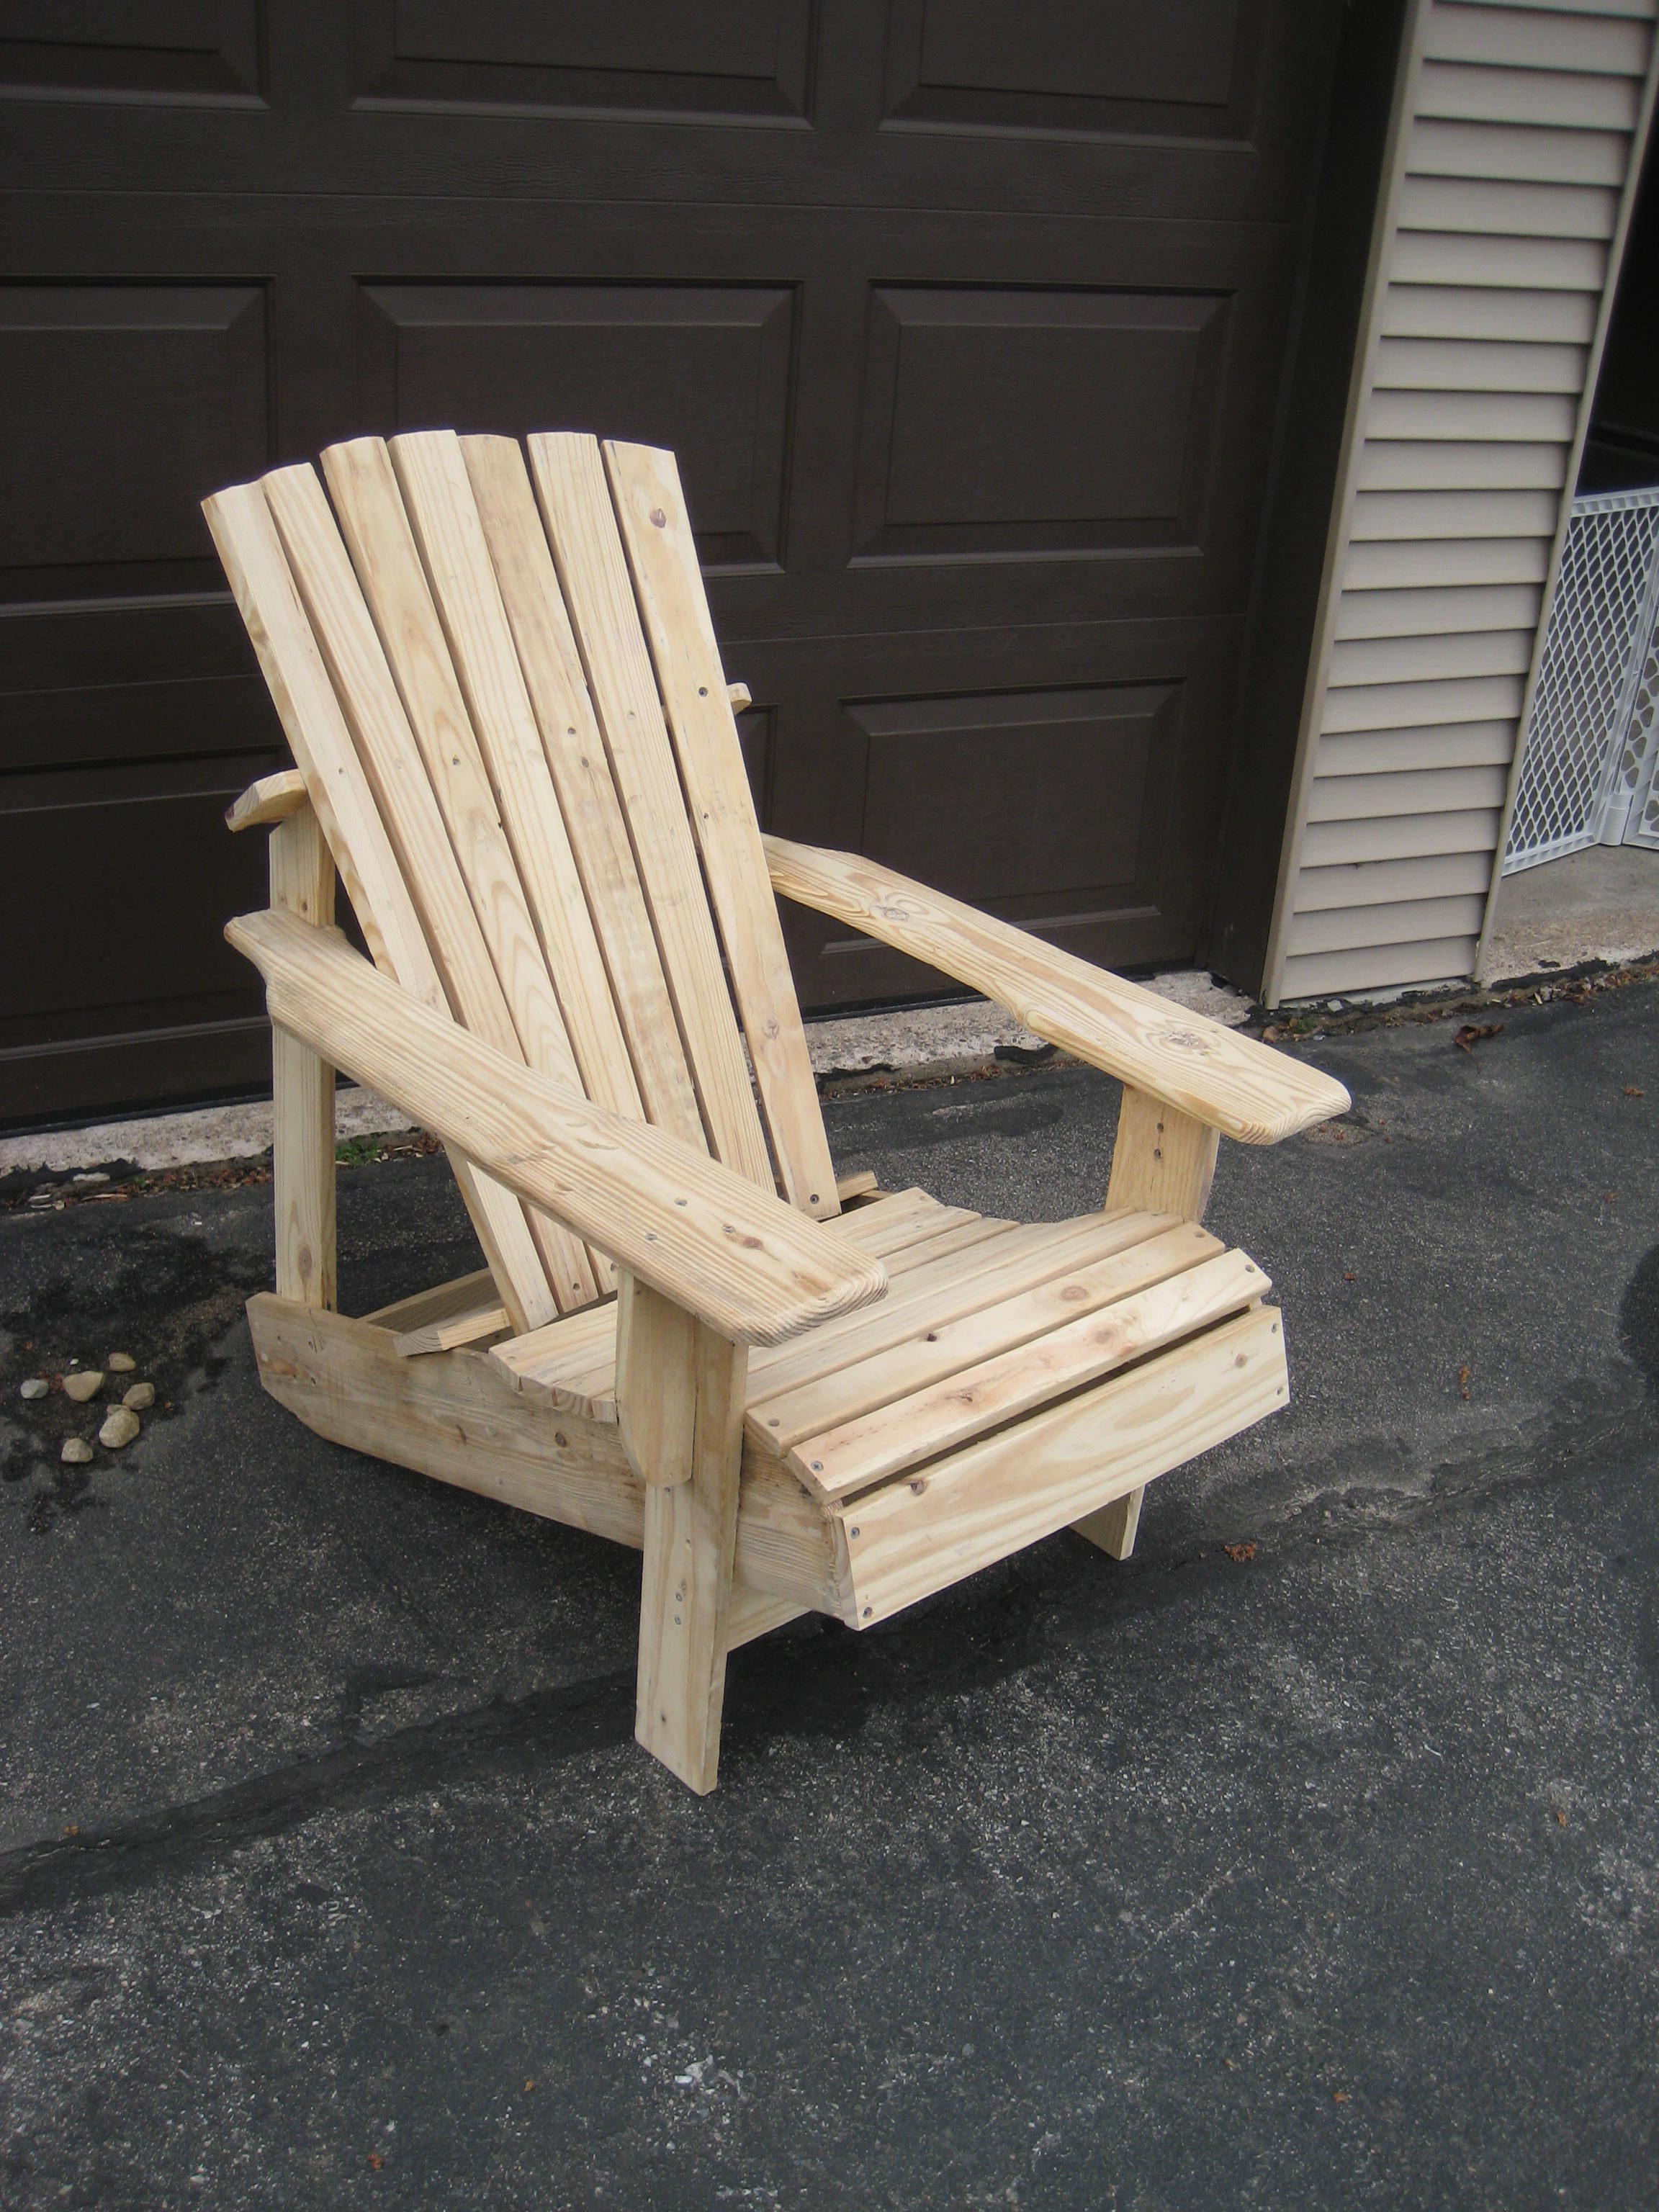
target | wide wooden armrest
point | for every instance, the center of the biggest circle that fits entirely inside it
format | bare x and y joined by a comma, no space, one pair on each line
1244,1088
735,1256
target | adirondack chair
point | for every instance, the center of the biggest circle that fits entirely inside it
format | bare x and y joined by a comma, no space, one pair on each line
514,741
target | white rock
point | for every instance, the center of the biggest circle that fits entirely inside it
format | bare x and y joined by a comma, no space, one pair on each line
36,1387
76,1451
87,1384
120,1363
140,1397
119,1428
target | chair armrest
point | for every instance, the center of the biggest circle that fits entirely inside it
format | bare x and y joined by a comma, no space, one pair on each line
1244,1088
735,1256
269,800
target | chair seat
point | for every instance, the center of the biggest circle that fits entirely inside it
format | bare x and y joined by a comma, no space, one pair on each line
986,1322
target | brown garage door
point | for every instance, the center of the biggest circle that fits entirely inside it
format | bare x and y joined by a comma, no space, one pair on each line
967,322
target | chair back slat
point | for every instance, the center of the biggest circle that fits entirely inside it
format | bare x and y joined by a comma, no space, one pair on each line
438,498
503,687
581,775
662,555
593,570
427,777
244,532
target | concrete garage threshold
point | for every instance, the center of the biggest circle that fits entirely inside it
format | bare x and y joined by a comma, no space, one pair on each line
1309,1858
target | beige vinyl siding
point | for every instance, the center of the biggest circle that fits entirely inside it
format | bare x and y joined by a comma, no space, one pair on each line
1499,236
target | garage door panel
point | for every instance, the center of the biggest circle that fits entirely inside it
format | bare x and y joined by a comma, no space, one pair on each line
968,325
120,406
1092,67
642,56
161,50
143,833
1007,798
1071,785
703,369
1032,421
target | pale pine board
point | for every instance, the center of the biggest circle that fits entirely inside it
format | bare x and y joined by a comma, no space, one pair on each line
592,569
581,775
1244,1088
656,531
901,1432
949,1349
438,495
480,934
924,1531
740,1258
245,532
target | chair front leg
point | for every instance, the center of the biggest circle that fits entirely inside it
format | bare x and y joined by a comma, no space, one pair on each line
1162,1161
302,1086
681,1389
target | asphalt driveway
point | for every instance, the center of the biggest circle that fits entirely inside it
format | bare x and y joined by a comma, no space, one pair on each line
1322,1873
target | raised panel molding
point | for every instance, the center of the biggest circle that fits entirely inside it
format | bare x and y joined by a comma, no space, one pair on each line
162,50
747,58
703,369
1036,422
1089,68
121,407
1044,806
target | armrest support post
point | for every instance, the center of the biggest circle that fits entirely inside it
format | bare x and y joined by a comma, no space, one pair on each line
681,1389
302,1085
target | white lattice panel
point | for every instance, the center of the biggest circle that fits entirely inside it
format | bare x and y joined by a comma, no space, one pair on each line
1588,766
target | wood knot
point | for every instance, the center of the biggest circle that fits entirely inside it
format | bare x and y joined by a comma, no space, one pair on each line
658,518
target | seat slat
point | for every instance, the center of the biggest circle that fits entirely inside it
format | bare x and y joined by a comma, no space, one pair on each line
921,1532
244,531
894,1222
424,831
945,1288
593,570
938,1244
656,531
581,775
438,495
878,1432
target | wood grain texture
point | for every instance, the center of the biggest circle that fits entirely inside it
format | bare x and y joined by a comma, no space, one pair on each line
267,799
441,1303
476,1322
662,556
456,1417
739,1257
901,1431
656,1383
927,1530
438,498
592,569
1163,1160
423,766
686,1597
580,770
1114,1526
244,533
302,1083
1243,1089
944,1353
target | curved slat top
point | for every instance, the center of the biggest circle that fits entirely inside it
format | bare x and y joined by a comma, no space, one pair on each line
739,1257
1244,1088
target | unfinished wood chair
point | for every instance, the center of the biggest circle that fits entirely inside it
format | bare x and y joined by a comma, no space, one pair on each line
516,743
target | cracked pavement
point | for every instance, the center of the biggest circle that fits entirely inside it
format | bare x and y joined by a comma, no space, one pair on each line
330,1873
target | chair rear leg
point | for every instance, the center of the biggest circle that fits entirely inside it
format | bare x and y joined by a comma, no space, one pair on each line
303,1087
684,1387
